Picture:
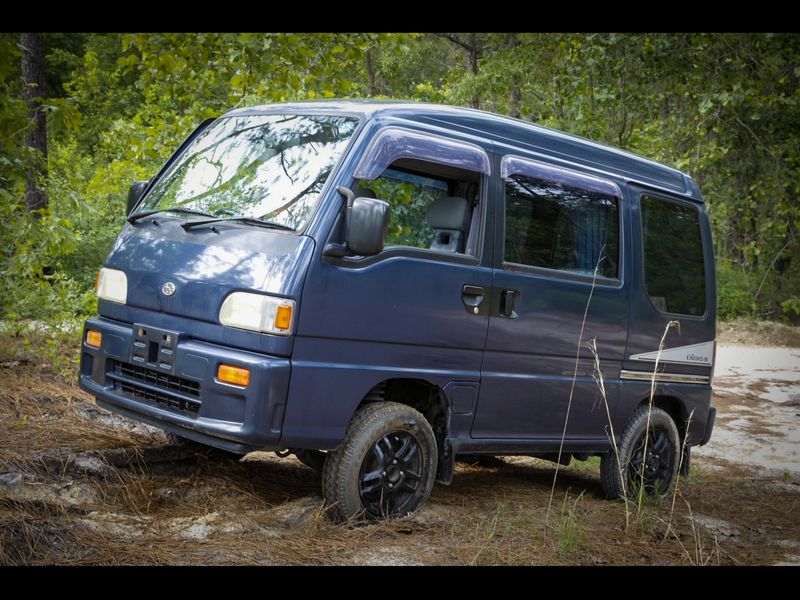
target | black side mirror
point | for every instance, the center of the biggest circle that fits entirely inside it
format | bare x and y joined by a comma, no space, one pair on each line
135,193
367,222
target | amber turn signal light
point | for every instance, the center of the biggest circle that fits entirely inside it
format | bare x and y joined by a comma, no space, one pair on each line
283,317
234,375
94,338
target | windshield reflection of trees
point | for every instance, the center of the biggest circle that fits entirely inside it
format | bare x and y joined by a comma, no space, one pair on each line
250,268
270,167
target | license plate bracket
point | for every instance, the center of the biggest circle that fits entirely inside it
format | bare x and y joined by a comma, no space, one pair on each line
154,347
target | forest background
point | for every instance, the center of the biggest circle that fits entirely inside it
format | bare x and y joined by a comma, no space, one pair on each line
84,115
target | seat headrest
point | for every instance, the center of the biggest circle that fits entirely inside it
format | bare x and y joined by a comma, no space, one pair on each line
449,212
362,192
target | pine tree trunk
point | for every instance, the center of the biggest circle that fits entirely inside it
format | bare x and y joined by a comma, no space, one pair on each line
472,65
513,106
36,134
372,88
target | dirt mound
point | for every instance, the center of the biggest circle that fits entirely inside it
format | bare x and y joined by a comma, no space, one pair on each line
744,332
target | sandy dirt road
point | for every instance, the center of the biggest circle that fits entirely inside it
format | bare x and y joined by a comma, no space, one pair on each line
757,396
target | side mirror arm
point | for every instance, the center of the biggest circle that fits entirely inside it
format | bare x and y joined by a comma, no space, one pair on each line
334,249
350,198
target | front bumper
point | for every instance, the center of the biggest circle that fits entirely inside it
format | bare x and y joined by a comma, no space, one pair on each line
185,396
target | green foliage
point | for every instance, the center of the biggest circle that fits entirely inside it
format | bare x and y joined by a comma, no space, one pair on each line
409,202
733,292
570,531
791,306
12,113
34,284
118,105
723,107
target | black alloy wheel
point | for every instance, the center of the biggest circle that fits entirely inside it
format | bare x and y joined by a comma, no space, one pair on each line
391,475
384,468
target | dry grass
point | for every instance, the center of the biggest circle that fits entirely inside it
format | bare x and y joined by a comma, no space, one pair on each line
269,512
40,412
143,503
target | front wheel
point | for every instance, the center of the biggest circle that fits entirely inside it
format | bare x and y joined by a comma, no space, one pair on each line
385,467
649,457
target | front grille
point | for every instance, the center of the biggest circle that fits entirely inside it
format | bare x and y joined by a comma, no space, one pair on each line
159,388
162,380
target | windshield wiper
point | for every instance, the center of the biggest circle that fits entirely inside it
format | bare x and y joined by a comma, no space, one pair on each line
249,220
141,215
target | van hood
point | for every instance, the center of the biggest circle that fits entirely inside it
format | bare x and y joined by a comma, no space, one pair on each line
206,264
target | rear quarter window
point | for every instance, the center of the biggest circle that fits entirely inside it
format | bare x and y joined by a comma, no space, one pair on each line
561,227
674,269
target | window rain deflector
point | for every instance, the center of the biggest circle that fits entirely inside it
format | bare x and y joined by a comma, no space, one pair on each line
393,143
515,165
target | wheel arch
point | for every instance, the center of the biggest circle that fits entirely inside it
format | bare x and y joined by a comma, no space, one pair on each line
420,394
674,407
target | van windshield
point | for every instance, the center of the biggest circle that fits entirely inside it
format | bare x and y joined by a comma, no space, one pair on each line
269,167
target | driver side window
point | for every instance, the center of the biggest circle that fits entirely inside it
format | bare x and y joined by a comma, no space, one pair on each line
432,184
429,208
409,197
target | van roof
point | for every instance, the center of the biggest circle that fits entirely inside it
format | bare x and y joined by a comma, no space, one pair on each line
566,148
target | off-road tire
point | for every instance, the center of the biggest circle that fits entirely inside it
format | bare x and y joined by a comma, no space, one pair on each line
663,433
354,483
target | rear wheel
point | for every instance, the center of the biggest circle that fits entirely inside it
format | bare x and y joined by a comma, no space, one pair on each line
649,457
385,467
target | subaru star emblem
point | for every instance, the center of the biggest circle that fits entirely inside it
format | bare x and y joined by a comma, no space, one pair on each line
168,288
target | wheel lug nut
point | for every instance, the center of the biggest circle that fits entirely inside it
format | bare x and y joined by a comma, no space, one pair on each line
383,473
401,474
394,462
390,485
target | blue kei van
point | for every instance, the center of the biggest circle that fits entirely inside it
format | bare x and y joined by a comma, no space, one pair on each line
380,287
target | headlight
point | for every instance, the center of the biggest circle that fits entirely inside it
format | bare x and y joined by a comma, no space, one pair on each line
257,312
112,285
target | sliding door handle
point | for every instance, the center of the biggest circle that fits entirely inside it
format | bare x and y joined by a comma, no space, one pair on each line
508,303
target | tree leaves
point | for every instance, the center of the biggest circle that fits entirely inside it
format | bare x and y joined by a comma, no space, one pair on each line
723,107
